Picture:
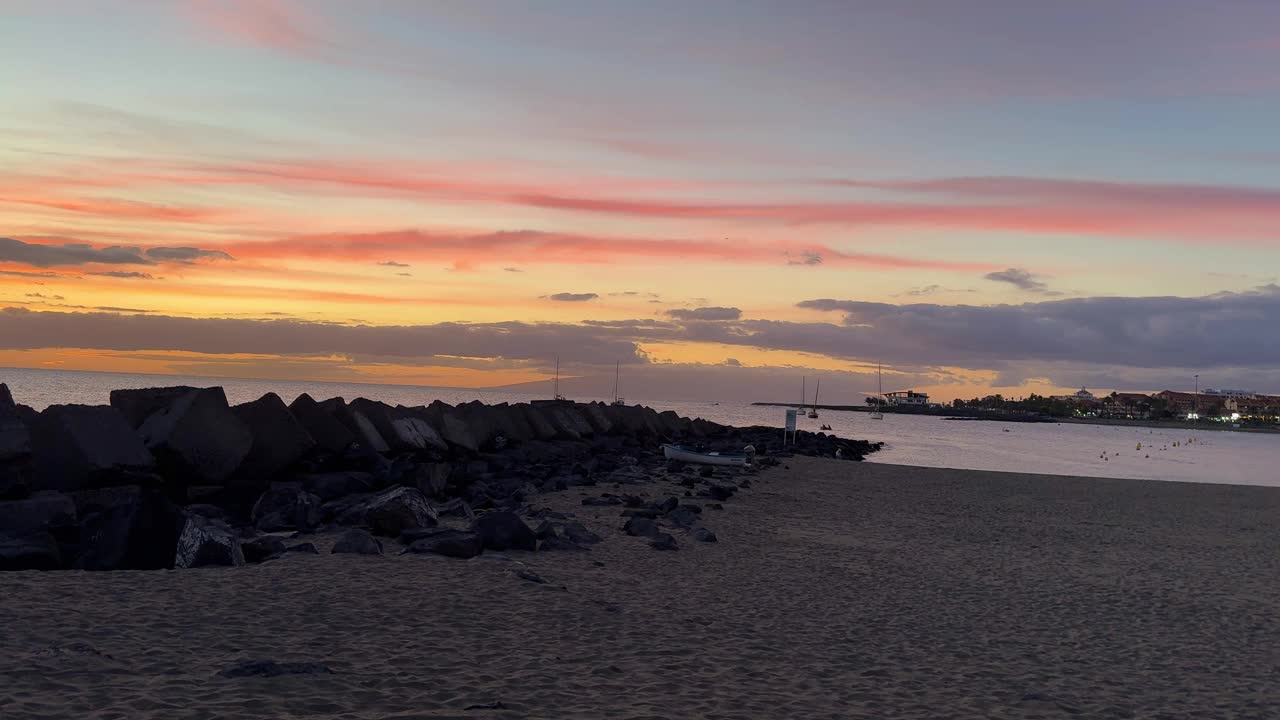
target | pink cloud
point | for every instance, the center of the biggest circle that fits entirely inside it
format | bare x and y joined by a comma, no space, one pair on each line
278,25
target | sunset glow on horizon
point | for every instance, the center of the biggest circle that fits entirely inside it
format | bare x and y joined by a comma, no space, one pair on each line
990,196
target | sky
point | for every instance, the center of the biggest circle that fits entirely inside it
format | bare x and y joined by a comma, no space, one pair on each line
721,197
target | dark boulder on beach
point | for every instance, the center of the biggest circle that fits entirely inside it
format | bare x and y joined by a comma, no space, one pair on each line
36,550
364,435
197,438
329,434
138,404
126,528
391,512
263,548
357,542
640,527
401,431
279,440
206,543
286,506
504,531
83,446
41,511
431,479
664,541
334,485
15,436
449,543
704,535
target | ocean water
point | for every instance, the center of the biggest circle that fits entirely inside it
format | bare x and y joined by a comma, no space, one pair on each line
1057,449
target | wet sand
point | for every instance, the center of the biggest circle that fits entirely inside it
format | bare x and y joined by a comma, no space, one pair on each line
836,590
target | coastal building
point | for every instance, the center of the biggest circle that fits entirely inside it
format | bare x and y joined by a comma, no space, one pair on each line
1183,403
1236,394
1131,406
1081,396
1256,406
907,398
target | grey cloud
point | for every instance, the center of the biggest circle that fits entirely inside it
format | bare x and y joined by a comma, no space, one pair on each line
732,362
405,274
45,297
186,255
706,313
124,274
572,297
393,263
1022,280
807,257
45,256
935,289
512,269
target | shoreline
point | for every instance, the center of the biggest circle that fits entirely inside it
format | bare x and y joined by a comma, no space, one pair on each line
835,589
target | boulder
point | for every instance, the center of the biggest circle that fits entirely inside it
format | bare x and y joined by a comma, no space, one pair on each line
704,535
541,426
448,542
357,542
330,486
455,430
566,427
328,434
596,414
197,437
577,532
33,551
362,430
82,446
640,527
139,404
504,531
432,479
15,437
126,528
400,431
672,423
392,512
303,548
663,541
511,422
683,517
204,542
562,544
286,506
279,440
262,549
42,511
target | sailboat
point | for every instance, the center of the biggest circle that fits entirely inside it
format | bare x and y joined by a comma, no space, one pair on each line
617,373
813,414
556,387
803,394
876,414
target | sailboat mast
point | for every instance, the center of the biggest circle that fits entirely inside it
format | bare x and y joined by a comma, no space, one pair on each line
617,372
556,390
804,393
816,388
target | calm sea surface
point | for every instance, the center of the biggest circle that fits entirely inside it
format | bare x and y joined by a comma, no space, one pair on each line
1090,450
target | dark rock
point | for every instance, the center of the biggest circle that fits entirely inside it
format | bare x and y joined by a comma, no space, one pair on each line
721,492
456,507
358,542
449,543
667,505
641,513
328,434
270,668
286,506
279,440
595,414
262,548
664,541
37,550
136,405
392,512
555,543
204,542
546,530
714,506
42,511
641,527
197,437
542,427
577,532
683,517
432,479
706,471
504,531
331,486
601,501
530,576
400,431
213,512
127,528
82,446
15,437
303,548
362,428
704,535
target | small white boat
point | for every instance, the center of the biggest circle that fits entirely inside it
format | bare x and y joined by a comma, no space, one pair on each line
676,452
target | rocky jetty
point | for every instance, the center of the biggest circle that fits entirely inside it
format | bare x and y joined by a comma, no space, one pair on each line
176,477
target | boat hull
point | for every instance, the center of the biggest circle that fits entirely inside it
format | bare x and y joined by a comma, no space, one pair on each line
675,452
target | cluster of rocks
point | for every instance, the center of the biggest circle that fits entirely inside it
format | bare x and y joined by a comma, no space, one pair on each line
177,477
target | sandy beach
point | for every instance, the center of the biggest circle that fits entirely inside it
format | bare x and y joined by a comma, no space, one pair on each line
836,590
